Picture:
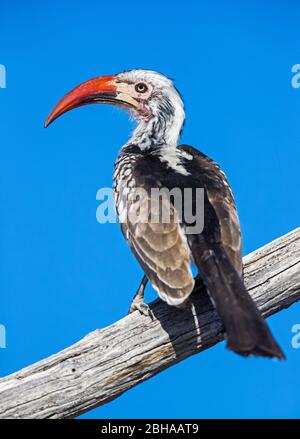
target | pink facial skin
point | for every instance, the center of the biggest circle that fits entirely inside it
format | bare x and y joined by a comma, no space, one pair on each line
144,110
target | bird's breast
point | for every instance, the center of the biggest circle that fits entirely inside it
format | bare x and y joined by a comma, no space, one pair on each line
124,184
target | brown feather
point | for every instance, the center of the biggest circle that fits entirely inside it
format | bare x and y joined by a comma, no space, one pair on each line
221,198
161,248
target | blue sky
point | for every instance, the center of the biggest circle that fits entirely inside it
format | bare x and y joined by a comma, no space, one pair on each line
61,273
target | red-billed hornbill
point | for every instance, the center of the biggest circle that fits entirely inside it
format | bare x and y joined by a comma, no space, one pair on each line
152,159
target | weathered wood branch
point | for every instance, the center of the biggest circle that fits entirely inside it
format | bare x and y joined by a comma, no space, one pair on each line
109,361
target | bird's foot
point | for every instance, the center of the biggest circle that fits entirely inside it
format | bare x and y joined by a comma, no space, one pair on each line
142,307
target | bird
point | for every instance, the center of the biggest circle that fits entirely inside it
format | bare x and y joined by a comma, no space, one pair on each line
153,159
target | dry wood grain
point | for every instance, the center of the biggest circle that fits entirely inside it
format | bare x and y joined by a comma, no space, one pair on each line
109,361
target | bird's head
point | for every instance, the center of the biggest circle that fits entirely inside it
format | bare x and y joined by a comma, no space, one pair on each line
146,94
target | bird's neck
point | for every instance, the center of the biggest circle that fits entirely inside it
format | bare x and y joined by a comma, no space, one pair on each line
163,128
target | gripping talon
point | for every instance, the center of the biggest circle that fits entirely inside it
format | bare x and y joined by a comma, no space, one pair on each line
142,307
138,303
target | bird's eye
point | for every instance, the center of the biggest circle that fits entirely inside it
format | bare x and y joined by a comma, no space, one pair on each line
141,87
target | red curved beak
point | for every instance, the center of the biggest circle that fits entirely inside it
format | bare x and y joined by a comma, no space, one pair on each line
94,91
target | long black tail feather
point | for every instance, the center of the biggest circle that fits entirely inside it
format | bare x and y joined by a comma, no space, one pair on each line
246,331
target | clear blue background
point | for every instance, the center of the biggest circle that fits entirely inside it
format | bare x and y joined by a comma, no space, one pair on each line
61,273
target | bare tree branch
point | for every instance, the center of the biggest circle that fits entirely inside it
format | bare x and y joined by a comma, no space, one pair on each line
109,361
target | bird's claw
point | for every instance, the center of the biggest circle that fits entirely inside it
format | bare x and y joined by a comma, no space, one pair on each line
142,307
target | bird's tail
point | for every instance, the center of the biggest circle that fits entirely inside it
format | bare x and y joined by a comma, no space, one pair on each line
246,331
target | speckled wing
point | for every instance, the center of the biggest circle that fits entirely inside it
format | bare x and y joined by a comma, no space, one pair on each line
220,196
159,245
